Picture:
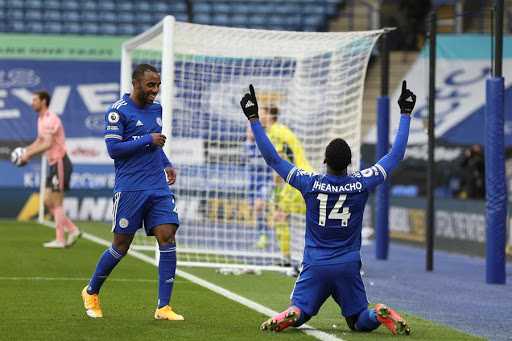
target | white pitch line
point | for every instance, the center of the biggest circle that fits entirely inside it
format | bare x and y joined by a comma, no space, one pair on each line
305,328
78,279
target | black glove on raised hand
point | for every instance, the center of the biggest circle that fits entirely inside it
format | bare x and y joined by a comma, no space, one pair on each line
407,100
249,104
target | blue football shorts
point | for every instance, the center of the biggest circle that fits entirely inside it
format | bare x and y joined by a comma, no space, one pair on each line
316,283
135,209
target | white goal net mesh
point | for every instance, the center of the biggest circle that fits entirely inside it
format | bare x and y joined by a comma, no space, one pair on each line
233,210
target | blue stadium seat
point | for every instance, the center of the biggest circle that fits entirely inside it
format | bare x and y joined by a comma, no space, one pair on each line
159,16
221,19
18,26
106,5
202,18
72,27
107,17
52,15
89,16
222,7
125,17
107,29
15,4
126,29
33,15
72,16
70,5
142,6
35,27
144,18
15,14
124,6
53,27
90,28
181,17
202,7
314,9
51,4
159,6
239,20
177,7
242,8
143,27
89,5
257,21
33,4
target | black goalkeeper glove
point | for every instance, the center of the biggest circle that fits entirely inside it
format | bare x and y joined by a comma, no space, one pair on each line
407,100
249,104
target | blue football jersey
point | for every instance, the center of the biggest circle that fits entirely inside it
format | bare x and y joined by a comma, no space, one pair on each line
334,212
143,169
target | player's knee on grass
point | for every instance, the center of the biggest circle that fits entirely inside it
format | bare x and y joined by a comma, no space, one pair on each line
303,318
351,322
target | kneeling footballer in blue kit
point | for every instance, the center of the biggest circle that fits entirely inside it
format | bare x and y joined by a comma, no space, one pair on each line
335,203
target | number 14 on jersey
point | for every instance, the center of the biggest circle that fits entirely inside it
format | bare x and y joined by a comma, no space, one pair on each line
338,212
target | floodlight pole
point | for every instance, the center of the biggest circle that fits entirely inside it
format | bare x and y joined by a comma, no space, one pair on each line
430,223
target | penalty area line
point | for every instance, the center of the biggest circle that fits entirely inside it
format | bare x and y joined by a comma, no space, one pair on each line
307,329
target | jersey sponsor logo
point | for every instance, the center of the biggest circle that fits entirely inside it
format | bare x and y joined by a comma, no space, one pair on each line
123,223
112,128
139,123
113,117
159,121
136,137
352,186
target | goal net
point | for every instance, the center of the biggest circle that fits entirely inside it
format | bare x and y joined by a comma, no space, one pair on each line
233,210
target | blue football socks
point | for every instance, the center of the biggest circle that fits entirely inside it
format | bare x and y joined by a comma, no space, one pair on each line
166,273
367,321
107,262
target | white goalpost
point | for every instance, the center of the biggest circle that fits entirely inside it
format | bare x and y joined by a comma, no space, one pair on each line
316,82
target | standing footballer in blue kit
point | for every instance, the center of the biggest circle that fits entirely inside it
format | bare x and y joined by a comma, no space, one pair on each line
133,135
335,203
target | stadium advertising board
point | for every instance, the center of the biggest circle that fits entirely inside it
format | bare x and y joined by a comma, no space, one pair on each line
460,225
463,65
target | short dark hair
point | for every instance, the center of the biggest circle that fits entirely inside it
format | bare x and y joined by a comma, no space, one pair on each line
139,70
44,96
338,154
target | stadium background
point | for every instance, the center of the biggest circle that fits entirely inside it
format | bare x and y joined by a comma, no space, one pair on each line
43,36
72,48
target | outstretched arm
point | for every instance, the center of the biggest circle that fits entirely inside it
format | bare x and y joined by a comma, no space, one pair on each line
269,153
377,174
389,161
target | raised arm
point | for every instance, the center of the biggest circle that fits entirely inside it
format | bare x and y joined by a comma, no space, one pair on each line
377,174
389,161
249,106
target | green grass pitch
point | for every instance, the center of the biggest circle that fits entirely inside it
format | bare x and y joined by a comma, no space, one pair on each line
40,292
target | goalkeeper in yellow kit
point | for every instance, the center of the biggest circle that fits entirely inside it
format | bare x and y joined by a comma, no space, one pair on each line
287,200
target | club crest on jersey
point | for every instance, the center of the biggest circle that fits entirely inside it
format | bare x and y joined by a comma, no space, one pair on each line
123,223
113,117
159,121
